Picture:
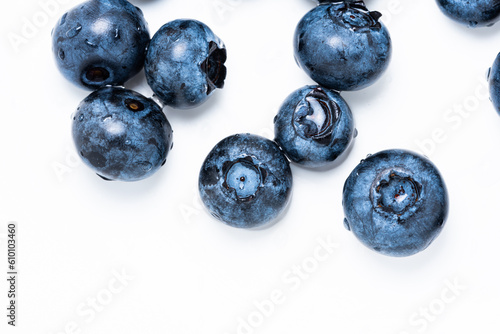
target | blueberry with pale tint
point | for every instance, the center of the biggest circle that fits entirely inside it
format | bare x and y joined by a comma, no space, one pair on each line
185,63
245,181
314,126
100,43
342,45
395,202
121,134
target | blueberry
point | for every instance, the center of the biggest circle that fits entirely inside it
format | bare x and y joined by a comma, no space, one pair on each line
121,135
477,13
245,181
185,63
314,126
494,81
342,46
100,42
395,202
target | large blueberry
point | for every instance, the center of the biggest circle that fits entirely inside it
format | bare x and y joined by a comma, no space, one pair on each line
121,134
476,13
341,45
314,126
245,181
494,81
100,42
395,202
185,63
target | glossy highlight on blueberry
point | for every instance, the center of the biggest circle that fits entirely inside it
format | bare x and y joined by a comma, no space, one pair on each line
185,63
342,45
121,134
100,43
477,13
314,126
245,181
395,202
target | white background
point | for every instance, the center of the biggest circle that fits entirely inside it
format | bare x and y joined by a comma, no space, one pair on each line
187,273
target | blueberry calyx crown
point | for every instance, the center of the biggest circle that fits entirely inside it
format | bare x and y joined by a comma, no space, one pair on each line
243,177
214,67
395,194
356,16
315,116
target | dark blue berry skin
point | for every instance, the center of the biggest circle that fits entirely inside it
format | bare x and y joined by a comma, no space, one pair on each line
314,126
361,2
245,181
185,63
494,82
100,42
342,46
121,134
395,202
477,13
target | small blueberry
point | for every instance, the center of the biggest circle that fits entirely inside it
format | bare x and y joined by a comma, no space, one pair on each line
100,43
121,135
314,126
185,63
245,181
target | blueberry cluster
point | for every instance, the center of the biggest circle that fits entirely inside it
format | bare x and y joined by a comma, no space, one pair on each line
394,201
99,45
342,46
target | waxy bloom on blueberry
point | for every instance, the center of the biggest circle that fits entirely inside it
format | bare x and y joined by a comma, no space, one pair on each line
342,46
185,63
121,134
395,202
100,43
314,126
245,181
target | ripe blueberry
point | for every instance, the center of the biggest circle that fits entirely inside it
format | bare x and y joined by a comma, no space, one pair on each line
245,181
185,63
342,46
121,135
477,13
100,42
395,202
314,126
494,82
